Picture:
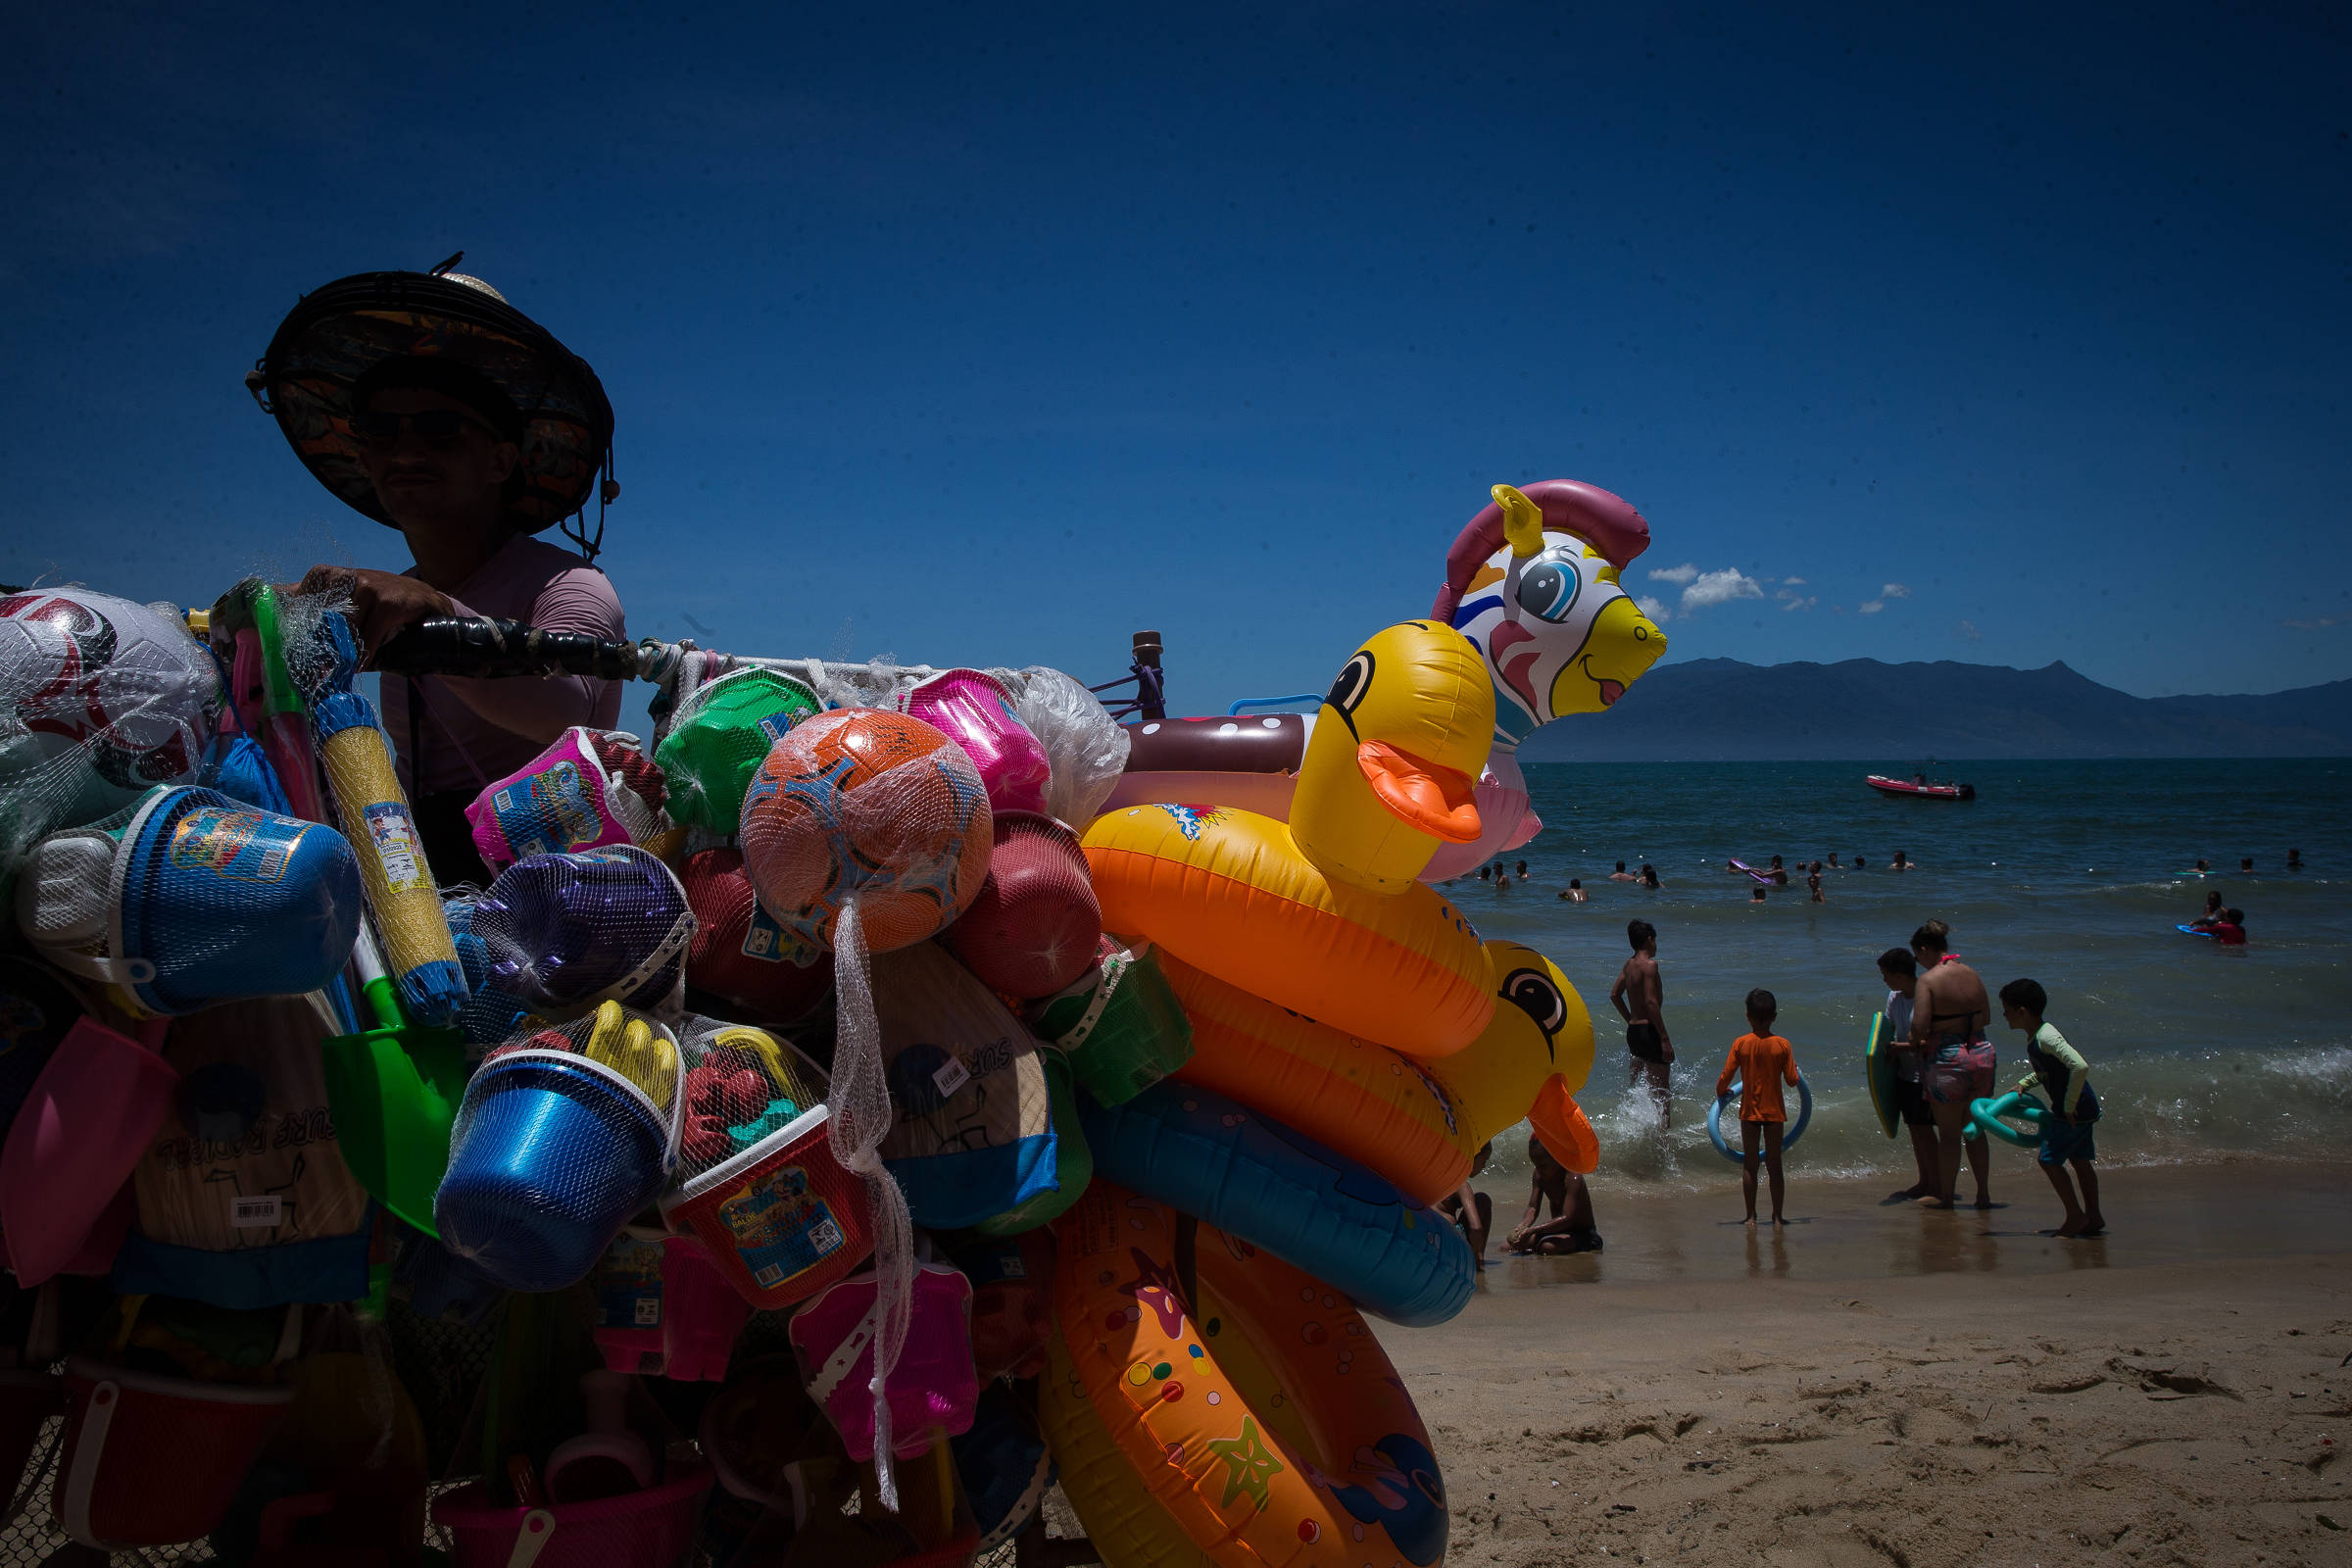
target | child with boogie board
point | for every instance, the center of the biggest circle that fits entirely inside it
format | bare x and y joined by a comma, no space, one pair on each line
1762,1061
2066,1135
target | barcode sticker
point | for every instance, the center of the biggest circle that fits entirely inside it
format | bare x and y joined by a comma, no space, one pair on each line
255,1213
950,1076
649,1311
825,1237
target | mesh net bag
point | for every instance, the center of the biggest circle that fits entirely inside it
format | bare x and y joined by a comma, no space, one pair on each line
189,899
1086,746
1119,1023
100,699
759,1181
566,933
590,788
865,805
565,1133
1034,923
739,955
973,708
718,737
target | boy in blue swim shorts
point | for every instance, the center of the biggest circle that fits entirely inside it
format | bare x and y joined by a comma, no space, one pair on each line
2060,1071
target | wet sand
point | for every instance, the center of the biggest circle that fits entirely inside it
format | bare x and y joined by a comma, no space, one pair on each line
1880,1384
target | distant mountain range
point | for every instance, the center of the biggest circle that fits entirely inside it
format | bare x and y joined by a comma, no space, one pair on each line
1720,709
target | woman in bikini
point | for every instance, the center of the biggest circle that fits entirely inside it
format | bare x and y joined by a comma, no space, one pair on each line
1950,1013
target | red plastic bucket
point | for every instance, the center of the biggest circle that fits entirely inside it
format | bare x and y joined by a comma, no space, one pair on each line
781,1220
650,1529
153,1461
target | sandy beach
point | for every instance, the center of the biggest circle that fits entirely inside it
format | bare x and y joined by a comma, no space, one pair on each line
1877,1385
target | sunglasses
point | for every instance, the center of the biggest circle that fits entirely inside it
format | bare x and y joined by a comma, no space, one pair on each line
438,428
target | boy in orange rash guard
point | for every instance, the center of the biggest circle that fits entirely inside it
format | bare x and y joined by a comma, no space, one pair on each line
1762,1061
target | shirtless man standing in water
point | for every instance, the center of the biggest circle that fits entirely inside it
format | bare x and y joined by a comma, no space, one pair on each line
1640,997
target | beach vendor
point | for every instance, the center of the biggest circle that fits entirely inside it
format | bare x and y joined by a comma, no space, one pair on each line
429,404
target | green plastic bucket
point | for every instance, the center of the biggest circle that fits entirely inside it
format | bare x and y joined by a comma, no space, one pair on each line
1119,1023
719,742
394,1094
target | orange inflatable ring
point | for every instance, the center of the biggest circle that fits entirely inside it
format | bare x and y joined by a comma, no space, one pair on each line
1363,1100
1267,1431
1227,892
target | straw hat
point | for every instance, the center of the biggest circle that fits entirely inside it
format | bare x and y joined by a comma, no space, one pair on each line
337,334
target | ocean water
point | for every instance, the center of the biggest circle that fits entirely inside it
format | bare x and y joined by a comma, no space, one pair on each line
2074,873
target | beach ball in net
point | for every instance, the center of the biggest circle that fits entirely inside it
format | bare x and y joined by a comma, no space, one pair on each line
865,804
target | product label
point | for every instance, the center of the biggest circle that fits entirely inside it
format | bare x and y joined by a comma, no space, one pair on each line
394,837
780,1230
548,813
255,1213
228,843
628,1285
768,941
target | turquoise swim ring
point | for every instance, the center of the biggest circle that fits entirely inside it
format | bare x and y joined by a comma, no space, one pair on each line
1804,1116
1987,1114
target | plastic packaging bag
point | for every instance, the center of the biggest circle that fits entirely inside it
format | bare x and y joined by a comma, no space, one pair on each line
1087,745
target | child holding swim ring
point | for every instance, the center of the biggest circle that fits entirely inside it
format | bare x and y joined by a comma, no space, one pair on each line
2060,1071
1762,1061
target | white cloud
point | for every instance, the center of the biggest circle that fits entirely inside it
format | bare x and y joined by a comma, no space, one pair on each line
1870,607
1792,582
1653,608
1894,590
1674,575
1720,588
1967,632
2314,624
1792,602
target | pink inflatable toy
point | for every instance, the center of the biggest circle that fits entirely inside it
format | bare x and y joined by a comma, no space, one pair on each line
973,709
1503,805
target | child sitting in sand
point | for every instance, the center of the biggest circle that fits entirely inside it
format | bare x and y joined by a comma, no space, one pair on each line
1762,1061
1570,1228
2059,1071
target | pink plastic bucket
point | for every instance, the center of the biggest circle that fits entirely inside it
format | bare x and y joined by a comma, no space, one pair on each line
82,1128
650,1529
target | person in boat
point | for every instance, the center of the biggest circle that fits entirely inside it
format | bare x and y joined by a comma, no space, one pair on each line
471,442
1650,875
1640,997
1574,893
1620,874
1950,1013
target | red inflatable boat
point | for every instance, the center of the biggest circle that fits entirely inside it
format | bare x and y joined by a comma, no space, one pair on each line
1921,790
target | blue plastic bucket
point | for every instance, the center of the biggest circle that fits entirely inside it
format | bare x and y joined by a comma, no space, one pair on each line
551,1156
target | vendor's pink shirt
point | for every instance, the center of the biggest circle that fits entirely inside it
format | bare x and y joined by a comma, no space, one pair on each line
477,731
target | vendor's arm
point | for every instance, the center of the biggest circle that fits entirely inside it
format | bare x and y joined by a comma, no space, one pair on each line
580,600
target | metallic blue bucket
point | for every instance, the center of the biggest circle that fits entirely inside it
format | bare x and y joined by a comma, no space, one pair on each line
548,1161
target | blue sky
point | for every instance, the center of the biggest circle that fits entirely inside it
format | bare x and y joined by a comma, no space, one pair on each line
989,334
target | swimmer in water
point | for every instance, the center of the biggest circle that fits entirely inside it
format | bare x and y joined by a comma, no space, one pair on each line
1900,862
1756,895
2295,860
1833,865
1620,874
2245,868
1575,893
1650,875
1522,870
2212,912
2204,866
1813,882
1502,881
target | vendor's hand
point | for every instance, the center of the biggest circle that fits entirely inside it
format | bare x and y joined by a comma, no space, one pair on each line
381,602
